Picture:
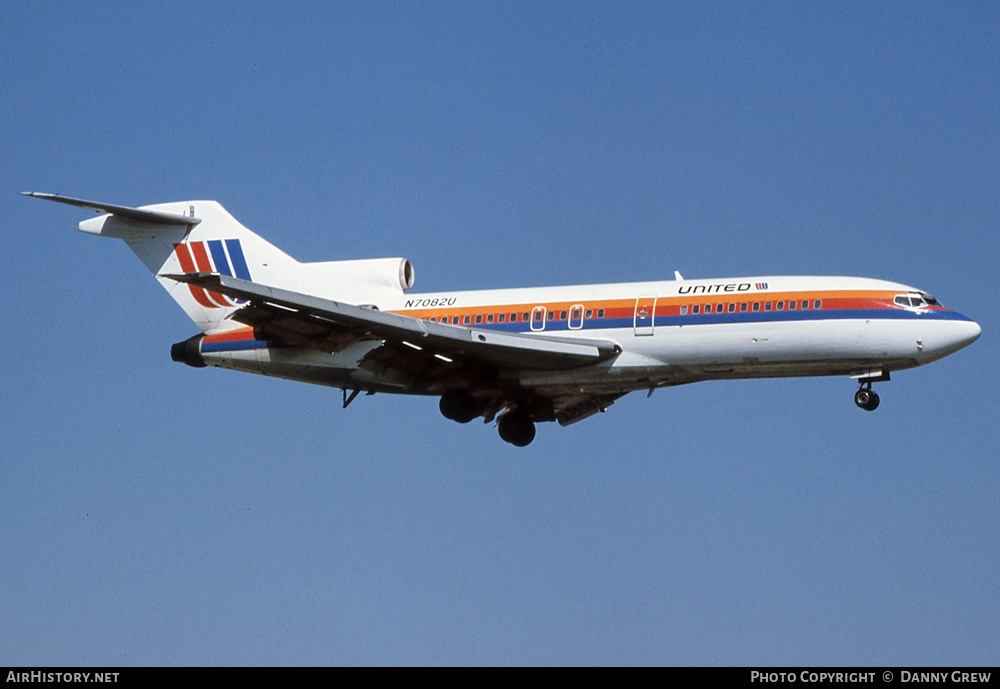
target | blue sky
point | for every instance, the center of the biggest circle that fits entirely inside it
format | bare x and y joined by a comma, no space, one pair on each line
152,513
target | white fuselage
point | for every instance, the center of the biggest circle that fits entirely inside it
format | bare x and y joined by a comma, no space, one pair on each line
669,332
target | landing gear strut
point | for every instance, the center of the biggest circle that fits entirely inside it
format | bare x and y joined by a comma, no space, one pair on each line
516,429
866,398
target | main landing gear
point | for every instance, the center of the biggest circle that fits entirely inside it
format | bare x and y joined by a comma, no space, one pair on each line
458,405
866,398
515,427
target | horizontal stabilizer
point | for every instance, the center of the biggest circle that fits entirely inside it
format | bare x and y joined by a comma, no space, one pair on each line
121,211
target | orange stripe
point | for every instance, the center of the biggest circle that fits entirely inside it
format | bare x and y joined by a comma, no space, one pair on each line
231,335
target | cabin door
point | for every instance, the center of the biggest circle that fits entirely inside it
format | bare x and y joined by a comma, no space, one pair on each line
645,308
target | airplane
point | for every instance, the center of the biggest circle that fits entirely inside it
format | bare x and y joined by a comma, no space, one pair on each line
517,356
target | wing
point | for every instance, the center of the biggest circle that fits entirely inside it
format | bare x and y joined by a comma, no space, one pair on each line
421,355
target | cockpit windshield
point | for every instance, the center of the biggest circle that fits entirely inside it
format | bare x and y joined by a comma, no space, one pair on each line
915,300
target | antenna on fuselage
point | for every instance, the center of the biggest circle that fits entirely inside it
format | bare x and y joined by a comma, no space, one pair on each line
678,276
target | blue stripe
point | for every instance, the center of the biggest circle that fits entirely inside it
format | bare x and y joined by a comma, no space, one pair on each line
239,260
232,346
219,257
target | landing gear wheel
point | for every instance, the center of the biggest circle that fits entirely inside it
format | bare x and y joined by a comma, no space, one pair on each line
516,429
458,405
866,399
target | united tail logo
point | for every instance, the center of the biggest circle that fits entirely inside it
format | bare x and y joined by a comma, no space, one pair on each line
224,257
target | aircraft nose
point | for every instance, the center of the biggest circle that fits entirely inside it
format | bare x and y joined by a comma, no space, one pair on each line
963,333
969,333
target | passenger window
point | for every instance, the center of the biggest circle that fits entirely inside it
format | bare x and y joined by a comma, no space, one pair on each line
767,306
718,308
562,315
781,306
743,307
818,304
489,318
524,318
551,316
600,313
732,308
756,306
467,320
479,318
805,304
791,305
694,309
590,313
501,317
684,310
708,308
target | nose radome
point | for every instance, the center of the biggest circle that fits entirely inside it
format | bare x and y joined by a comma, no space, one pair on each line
972,333
962,334
953,336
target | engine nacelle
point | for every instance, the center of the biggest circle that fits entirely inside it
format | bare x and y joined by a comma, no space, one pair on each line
356,281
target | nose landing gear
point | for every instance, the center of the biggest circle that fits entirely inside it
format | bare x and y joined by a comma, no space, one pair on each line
866,398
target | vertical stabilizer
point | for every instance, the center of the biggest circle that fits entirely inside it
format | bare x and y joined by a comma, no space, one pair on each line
190,237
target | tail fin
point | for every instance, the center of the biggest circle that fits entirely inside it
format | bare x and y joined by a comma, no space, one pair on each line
188,237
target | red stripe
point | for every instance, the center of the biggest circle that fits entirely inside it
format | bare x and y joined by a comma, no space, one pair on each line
219,299
184,256
201,297
187,265
201,257
205,266
207,299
